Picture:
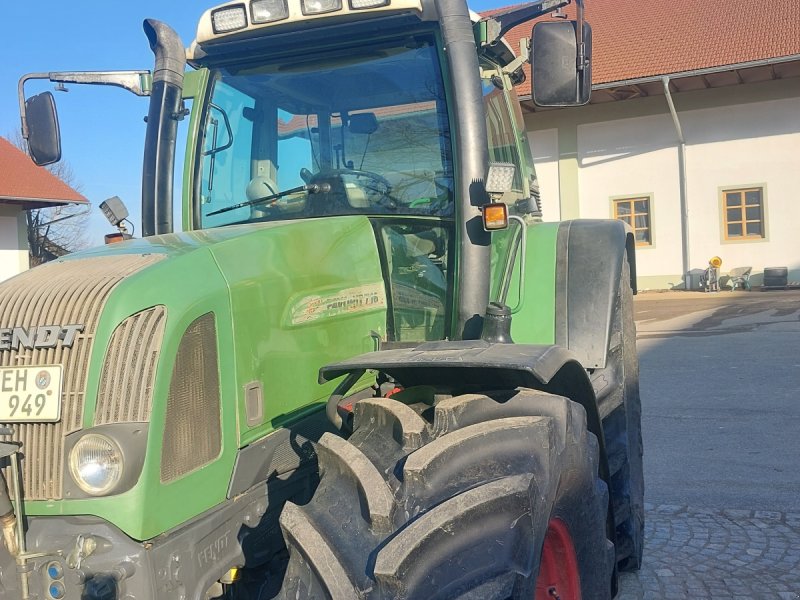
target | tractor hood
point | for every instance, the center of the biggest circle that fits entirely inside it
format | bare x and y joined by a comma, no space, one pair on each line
170,336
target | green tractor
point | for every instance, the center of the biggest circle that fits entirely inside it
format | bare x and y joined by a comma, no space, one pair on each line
365,368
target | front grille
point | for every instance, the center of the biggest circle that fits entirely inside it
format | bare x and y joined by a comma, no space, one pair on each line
129,369
69,292
192,431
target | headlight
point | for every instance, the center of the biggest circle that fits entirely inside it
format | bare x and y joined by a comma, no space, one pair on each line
360,4
95,464
267,11
316,7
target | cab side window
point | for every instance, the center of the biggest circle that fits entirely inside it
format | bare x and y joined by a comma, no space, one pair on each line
500,130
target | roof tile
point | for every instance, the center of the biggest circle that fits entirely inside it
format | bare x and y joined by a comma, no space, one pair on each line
21,180
642,38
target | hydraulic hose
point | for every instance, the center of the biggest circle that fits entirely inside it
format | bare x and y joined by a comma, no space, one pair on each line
8,520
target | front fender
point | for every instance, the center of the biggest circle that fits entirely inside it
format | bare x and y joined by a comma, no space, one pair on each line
589,255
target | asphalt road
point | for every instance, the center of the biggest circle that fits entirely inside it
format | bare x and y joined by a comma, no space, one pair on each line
720,386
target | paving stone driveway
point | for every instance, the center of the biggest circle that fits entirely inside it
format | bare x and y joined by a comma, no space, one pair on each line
747,347
692,553
717,554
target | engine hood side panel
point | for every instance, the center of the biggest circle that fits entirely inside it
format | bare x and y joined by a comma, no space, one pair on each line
302,296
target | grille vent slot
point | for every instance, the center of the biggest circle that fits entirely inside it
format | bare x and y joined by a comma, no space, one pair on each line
60,293
192,432
129,369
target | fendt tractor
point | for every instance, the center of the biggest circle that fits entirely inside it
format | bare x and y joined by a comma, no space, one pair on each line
365,368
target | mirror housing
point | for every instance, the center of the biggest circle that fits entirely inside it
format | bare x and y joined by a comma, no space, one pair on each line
556,51
43,133
363,123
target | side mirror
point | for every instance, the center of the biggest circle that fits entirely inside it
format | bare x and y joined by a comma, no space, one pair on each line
44,136
556,78
363,123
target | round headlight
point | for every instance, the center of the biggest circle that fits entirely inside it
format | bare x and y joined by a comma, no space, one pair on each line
95,464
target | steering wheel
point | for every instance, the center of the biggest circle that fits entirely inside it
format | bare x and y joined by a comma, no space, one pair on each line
354,173
385,193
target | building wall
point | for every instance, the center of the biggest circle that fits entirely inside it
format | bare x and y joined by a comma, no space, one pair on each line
13,242
544,146
741,136
742,146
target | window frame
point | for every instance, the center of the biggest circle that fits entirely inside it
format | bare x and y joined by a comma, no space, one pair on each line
723,209
632,198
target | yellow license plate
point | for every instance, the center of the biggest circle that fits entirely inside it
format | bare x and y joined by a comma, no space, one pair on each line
30,394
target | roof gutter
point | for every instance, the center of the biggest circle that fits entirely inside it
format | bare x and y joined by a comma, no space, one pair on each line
684,187
694,73
45,202
707,71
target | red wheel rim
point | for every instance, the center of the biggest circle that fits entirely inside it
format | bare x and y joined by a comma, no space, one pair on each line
558,570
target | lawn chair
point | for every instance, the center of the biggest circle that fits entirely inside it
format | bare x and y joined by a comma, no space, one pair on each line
740,277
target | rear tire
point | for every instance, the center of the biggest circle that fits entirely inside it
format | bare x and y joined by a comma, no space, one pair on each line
617,389
455,503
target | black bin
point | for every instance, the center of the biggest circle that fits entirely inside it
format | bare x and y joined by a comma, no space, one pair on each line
776,277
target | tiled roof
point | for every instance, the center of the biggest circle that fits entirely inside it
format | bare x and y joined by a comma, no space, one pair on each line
642,38
22,181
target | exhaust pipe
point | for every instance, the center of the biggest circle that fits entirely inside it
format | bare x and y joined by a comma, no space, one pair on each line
473,158
165,111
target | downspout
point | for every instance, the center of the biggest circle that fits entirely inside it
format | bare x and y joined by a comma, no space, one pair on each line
162,127
472,158
684,188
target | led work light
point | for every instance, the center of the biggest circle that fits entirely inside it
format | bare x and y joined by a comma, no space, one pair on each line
230,18
114,210
500,178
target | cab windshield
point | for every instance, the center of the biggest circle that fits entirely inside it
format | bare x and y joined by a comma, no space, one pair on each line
350,134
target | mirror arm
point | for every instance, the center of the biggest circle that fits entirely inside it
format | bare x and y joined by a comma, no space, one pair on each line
581,47
581,58
138,82
501,23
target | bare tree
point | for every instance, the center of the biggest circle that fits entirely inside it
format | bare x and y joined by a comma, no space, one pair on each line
57,230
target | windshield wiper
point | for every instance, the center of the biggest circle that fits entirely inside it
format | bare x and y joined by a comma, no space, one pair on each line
311,188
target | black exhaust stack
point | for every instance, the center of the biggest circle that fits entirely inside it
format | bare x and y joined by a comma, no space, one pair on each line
162,127
472,276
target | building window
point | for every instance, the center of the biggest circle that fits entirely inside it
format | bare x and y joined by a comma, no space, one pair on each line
636,213
743,213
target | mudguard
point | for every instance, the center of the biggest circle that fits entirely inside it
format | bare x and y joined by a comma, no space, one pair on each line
589,255
456,364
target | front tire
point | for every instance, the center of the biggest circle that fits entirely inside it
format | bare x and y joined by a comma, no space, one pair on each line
454,500
617,389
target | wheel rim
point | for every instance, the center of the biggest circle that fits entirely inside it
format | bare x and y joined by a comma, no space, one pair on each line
558,570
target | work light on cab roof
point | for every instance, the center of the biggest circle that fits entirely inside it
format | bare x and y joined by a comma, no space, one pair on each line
234,17
267,11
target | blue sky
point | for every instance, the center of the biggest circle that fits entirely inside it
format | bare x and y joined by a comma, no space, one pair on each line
102,127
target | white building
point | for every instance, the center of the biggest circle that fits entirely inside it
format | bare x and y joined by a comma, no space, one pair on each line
24,186
718,175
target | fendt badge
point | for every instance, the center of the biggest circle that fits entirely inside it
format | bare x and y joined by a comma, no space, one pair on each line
46,336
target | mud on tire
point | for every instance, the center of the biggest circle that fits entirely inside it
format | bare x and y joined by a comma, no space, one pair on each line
450,501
